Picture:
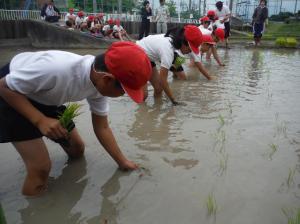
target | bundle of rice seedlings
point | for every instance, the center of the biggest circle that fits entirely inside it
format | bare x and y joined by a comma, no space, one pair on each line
66,118
291,42
280,41
179,61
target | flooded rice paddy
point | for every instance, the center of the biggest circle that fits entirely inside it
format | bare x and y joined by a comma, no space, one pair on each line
230,156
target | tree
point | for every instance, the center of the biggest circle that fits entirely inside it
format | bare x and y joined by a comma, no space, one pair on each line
172,8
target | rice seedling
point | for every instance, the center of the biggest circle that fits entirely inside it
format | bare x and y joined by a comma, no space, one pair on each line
66,118
221,120
292,215
290,179
2,217
223,163
281,128
229,104
273,149
211,204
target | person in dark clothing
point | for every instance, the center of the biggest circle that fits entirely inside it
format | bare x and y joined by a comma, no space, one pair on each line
258,21
50,13
146,13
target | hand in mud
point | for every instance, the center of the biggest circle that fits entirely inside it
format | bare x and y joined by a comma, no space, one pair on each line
52,128
176,103
128,165
212,77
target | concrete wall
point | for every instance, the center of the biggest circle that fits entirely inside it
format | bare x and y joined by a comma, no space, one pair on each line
46,35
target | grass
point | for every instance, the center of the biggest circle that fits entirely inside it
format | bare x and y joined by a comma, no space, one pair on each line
71,111
276,29
211,205
290,179
292,215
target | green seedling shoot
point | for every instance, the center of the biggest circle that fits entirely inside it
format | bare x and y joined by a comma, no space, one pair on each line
211,205
221,120
290,178
292,216
274,149
71,111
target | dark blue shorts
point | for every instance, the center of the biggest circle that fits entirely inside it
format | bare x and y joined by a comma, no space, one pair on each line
14,127
258,29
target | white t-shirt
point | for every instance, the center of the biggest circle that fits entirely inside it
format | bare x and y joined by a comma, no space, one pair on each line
204,30
79,20
221,14
162,13
159,49
50,11
192,55
55,78
117,28
69,16
106,27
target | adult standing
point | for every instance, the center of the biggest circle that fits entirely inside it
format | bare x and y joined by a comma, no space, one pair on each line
146,14
162,17
223,13
258,20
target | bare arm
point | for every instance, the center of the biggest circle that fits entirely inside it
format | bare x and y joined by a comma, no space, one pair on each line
48,126
203,70
216,56
163,73
108,141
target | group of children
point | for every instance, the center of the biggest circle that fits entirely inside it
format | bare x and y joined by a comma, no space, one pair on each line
96,25
35,85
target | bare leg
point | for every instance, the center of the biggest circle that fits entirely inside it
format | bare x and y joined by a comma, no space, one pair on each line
76,148
37,161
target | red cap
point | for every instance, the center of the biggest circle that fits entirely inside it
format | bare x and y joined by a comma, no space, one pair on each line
110,21
80,13
204,19
207,38
71,10
211,13
219,32
118,22
194,37
130,65
91,18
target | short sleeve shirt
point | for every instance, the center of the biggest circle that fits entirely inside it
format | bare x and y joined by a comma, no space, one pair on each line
162,13
221,14
55,78
159,49
117,28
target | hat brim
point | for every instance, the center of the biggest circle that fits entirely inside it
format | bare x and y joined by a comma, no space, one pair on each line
137,95
194,49
209,42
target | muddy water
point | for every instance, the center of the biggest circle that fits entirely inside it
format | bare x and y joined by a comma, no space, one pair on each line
237,139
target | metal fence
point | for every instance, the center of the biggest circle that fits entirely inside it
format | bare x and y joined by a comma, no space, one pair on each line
35,14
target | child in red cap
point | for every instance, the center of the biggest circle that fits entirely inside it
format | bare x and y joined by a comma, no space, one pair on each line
34,87
209,45
108,28
161,48
119,32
